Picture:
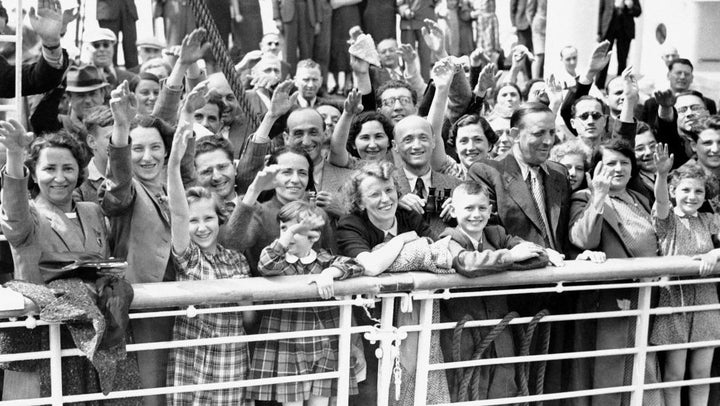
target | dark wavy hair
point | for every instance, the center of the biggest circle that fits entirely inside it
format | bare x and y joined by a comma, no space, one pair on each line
470,119
59,139
268,194
210,143
617,145
148,121
357,124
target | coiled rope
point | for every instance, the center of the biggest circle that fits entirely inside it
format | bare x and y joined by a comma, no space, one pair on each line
467,380
204,19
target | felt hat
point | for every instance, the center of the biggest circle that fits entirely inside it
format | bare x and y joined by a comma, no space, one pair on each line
85,79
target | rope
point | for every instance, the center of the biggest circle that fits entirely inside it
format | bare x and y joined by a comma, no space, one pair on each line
204,19
525,351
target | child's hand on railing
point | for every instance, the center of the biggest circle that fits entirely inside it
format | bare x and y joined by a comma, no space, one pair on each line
324,282
707,262
597,257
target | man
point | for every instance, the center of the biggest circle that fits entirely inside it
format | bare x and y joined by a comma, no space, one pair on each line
412,19
679,121
87,88
117,16
521,23
396,100
414,142
265,77
270,47
103,42
215,168
680,75
148,48
569,58
617,24
391,68
234,128
99,123
209,115
308,81
306,27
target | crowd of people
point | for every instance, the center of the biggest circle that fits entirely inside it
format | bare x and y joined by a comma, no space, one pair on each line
398,156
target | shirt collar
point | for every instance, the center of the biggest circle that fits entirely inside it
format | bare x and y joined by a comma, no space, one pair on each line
680,213
306,260
93,171
393,230
524,167
302,102
475,243
412,178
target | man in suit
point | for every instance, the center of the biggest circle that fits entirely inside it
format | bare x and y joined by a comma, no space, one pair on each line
117,16
617,24
103,41
306,27
308,81
413,142
412,18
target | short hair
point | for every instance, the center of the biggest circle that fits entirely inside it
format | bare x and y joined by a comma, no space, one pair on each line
298,210
643,127
210,143
166,131
143,76
528,85
516,120
217,100
155,62
267,34
471,188
307,64
381,170
618,145
567,47
58,139
195,193
692,93
470,119
499,86
571,147
681,61
573,109
290,150
96,117
395,84
359,121
690,170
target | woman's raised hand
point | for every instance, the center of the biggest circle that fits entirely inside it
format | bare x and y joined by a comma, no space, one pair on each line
123,105
600,184
14,137
183,133
265,178
663,161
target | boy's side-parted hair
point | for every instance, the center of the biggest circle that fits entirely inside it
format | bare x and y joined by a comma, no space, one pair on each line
471,188
298,210
688,171
195,193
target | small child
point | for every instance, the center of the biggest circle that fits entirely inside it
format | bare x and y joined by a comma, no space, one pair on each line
292,254
682,230
195,219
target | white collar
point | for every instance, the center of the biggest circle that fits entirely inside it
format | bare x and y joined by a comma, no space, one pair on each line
680,213
392,230
306,260
412,179
93,171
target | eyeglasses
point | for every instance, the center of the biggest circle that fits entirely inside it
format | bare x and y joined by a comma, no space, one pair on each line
594,114
102,44
273,43
390,101
693,107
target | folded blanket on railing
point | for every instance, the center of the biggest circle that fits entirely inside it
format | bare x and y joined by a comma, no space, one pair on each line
423,255
98,332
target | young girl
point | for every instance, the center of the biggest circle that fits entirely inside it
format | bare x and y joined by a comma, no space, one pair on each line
681,230
292,254
196,217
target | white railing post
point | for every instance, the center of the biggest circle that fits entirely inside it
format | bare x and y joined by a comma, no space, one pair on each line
423,352
385,363
55,365
642,327
344,343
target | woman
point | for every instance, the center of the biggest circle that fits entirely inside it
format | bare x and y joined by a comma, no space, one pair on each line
252,226
473,138
374,219
344,17
360,136
615,220
507,100
574,155
147,90
40,229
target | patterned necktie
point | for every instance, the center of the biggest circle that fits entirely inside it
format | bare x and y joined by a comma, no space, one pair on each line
419,188
538,193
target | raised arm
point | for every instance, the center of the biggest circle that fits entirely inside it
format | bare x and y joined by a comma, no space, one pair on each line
339,155
663,165
626,127
179,217
442,74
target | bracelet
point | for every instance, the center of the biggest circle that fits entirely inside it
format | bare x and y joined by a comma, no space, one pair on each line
51,48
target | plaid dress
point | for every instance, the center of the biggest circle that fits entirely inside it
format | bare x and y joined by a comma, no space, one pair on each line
215,363
299,356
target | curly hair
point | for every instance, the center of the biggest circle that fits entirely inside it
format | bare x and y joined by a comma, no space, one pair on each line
196,193
210,143
690,170
359,121
381,170
618,145
59,139
571,147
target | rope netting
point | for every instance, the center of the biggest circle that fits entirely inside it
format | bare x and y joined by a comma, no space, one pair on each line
204,19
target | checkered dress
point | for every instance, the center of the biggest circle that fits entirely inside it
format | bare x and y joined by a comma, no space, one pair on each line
216,363
298,356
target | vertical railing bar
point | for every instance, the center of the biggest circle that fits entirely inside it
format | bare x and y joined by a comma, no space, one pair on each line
386,361
55,365
344,343
641,344
423,352
19,61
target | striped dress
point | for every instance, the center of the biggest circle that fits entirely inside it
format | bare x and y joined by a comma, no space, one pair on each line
299,356
214,363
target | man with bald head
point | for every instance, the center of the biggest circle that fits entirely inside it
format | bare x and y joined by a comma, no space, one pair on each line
413,143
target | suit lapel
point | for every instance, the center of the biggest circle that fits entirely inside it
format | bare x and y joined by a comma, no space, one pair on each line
553,194
58,223
517,189
403,182
159,206
613,222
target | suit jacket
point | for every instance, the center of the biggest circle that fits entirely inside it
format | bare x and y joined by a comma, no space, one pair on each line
121,75
512,200
438,181
38,77
649,111
139,223
114,9
518,14
623,19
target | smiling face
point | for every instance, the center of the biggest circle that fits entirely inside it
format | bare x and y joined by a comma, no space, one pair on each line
216,172
305,131
371,142
689,195
204,224
56,173
621,167
575,165
690,110
292,177
208,116
81,102
148,154
471,144
379,199
218,84
414,142
147,92
330,115
644,149
397,103
103,53
589,122
535,137
707,148
472,212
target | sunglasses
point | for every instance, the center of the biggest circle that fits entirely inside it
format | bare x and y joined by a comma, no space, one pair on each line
595,115
274,43
102,44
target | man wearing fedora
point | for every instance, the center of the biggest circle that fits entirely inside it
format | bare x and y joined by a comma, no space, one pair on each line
87,88
103,42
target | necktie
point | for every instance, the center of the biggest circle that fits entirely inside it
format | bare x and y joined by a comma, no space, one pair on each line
419,188
539,197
